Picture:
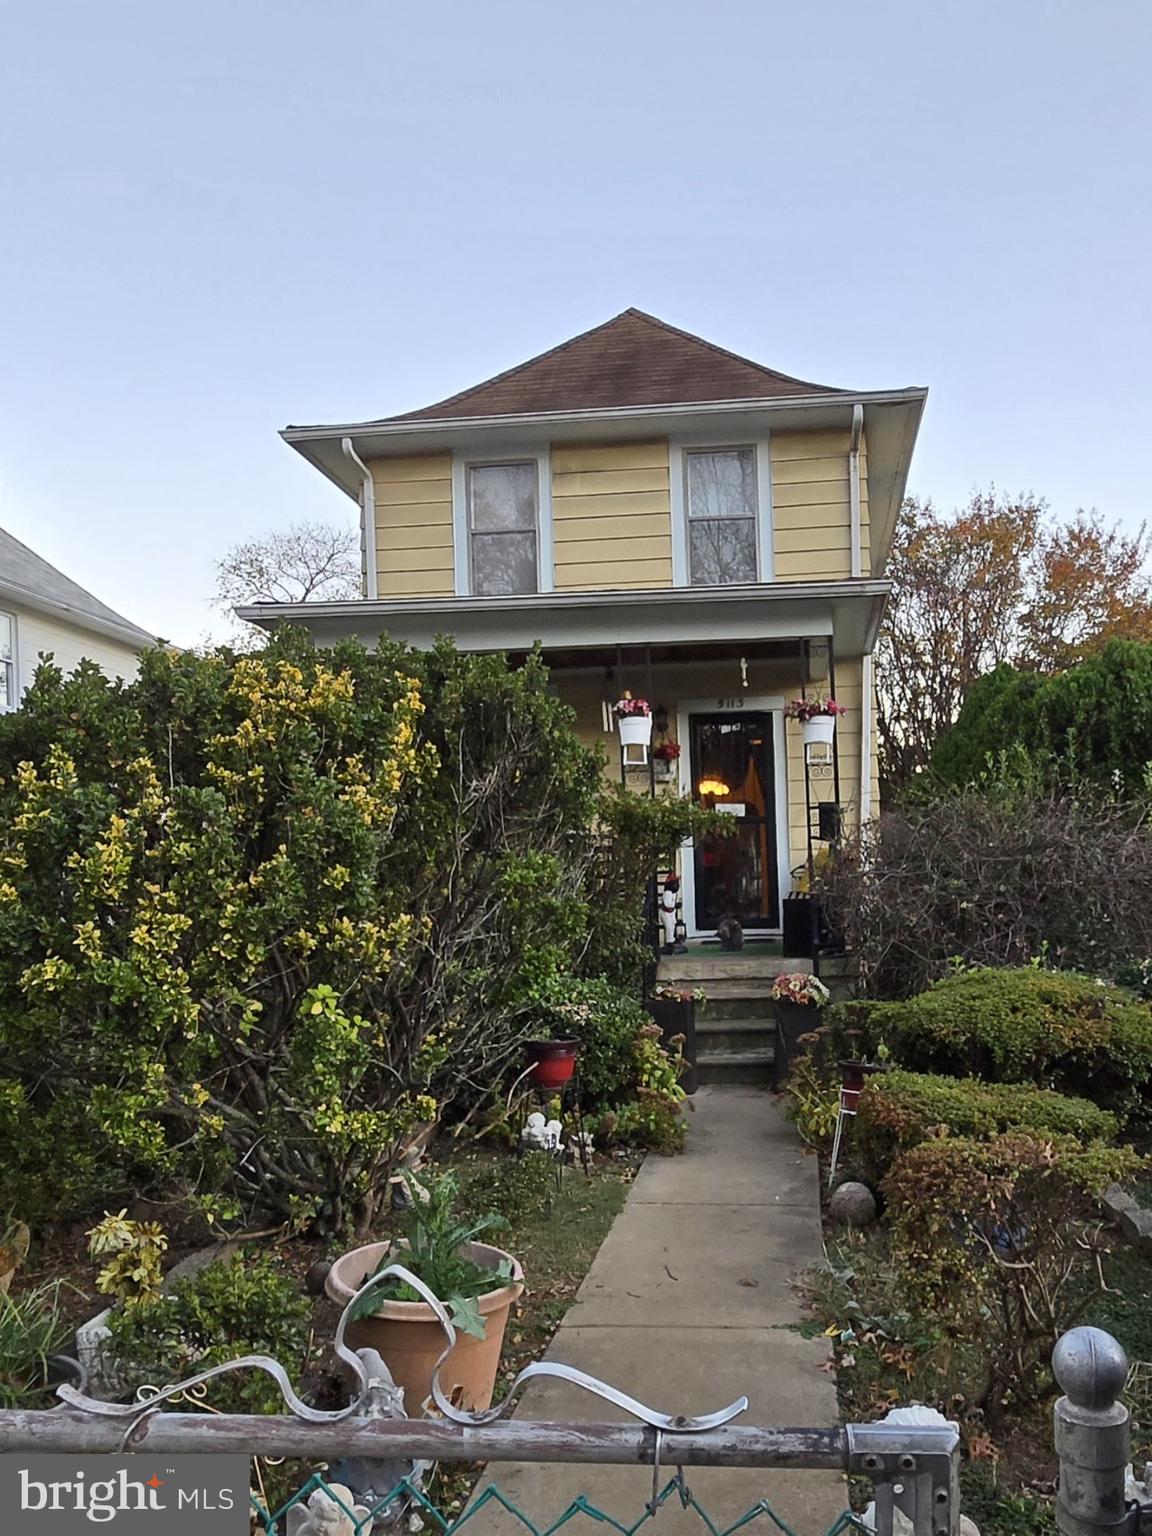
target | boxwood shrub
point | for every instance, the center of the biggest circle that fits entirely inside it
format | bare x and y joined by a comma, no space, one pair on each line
1053,1028
901,1109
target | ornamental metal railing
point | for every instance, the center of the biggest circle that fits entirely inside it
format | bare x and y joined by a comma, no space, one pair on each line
373,1460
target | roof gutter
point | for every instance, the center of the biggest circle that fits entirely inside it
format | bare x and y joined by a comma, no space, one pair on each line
367,517
854,487
656,597
396,428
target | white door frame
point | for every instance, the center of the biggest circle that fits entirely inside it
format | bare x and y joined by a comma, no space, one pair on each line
734,704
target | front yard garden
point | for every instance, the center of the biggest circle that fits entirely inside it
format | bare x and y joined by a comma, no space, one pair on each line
273,928
1004,1103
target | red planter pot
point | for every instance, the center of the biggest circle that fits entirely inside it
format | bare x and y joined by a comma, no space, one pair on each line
853,1075
553,1062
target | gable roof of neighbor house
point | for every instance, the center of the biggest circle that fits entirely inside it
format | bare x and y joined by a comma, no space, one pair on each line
27,579
633,359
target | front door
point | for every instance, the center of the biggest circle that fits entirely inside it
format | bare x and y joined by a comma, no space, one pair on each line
731,761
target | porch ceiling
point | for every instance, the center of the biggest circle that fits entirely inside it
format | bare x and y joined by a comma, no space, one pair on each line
847,611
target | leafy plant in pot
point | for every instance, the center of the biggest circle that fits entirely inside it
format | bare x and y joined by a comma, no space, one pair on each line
477,1283
797,998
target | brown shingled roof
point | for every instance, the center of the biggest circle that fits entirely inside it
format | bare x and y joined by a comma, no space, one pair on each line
633,359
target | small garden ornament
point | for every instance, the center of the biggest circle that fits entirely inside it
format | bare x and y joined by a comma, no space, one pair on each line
330,1511
540,1135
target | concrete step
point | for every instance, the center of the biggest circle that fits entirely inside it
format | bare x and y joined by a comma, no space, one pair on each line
723,965
758,1005
745,1067
738,1034
754,989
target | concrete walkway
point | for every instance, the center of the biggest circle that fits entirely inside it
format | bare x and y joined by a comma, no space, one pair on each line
682,1308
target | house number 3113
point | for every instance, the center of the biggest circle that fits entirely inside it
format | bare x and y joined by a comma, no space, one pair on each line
729,703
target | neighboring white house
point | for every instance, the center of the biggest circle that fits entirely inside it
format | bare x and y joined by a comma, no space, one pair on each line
42,610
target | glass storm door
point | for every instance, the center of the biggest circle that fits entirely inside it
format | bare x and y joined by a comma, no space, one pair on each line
733,772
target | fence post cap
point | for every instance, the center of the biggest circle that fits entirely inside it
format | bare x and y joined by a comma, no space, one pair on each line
1090,1366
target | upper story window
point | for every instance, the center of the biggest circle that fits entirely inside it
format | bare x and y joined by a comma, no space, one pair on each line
7,662
503,516
722,515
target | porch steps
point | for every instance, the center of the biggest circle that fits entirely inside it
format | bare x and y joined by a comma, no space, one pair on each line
724,965
735,1020
734,1050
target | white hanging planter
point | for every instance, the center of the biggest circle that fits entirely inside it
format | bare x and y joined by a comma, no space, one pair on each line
819,731
635,730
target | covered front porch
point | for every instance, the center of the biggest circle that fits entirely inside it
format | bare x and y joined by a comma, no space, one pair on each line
721,737
718,666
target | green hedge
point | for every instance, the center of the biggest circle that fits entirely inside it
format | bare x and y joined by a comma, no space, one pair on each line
899,1109
1052,1028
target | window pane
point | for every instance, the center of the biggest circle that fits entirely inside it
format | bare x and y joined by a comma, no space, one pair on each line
5,637
503,497
722,484
503,563
722,552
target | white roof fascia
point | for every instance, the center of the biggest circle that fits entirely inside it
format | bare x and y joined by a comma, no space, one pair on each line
588,620
75,618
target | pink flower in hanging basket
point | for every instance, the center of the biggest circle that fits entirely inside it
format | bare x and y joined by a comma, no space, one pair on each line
808,709
628,707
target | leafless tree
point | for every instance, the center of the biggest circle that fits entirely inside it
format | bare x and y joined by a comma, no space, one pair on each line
307,562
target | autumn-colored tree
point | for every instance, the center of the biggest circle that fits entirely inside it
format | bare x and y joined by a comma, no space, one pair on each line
999,580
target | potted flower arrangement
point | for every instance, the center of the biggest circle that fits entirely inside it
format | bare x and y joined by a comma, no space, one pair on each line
666,754
798,998
477,1283
674,1010
817,718
633,721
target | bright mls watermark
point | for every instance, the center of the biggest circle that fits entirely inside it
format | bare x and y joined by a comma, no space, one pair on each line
187,1495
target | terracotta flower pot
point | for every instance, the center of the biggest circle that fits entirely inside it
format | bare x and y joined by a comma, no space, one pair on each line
553,1062
408,1334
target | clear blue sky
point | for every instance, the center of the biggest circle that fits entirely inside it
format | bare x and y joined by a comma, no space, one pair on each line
219,218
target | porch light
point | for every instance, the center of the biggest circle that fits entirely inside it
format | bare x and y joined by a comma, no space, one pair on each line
713,787
660,719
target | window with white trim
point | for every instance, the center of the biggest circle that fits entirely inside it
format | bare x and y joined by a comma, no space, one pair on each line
503,515
722,514
7,662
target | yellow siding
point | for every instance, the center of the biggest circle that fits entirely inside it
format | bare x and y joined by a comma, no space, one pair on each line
414,554
811,509
848,693
611,516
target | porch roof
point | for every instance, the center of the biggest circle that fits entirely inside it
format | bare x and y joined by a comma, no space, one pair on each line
849,612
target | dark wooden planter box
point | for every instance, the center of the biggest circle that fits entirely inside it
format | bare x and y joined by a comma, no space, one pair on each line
807,929
677,1018
792,1021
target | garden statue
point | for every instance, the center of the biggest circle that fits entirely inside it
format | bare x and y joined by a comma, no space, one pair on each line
322,1515
540,1135
668,901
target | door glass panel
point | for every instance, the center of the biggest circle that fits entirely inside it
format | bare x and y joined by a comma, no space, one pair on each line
732,771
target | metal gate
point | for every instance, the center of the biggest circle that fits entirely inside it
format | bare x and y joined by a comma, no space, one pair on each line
375,1458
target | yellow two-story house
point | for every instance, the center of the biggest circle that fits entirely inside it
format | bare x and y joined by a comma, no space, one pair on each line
665,518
